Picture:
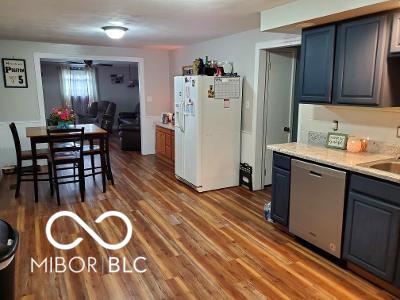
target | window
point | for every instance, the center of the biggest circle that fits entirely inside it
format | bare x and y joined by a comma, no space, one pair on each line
78,84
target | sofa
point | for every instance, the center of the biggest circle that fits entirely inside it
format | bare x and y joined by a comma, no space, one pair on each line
129,130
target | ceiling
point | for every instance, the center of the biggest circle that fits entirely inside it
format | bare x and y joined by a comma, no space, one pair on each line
162,24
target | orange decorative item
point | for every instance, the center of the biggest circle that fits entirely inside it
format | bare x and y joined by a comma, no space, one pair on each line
364,143
354,145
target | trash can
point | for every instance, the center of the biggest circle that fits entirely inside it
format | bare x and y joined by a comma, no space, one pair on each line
9,239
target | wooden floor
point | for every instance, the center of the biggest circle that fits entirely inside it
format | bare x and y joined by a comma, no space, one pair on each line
214,245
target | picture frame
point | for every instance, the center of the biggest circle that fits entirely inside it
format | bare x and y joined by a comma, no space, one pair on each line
117,78
14,73
337,140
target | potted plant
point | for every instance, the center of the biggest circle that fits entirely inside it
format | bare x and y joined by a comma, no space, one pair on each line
62,117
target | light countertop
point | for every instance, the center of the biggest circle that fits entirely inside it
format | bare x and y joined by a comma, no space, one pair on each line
166,126
337,158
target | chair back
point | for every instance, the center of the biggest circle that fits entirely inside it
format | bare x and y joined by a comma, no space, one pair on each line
65,141
107,123
17,142
111,109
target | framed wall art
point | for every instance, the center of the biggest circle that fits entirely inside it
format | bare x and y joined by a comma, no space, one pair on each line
337,140
14,73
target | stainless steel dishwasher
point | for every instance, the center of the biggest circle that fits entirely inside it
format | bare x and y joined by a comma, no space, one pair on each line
317,204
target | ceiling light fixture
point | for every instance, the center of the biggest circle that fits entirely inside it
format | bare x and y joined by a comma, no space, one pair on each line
115,32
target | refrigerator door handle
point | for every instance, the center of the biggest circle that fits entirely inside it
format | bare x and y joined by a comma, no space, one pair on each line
182,122
178,115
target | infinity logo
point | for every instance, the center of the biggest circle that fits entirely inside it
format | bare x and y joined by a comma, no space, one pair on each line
89,230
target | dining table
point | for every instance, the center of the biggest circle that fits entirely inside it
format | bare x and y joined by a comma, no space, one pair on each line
38,135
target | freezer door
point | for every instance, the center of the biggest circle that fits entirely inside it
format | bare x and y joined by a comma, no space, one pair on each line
192,134
221,137
179,135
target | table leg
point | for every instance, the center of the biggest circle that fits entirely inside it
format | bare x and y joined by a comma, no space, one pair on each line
103,164
35,171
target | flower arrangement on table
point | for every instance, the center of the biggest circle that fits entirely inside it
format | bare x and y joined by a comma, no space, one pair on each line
62,117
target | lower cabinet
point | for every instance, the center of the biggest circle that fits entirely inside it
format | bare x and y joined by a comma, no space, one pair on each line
372,228
165,143
280,189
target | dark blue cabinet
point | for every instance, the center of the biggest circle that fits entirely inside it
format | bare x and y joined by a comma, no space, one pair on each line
372,228
316,64
347,63
280,189
360,59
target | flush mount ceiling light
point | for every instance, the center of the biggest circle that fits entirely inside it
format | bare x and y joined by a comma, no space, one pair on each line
115,32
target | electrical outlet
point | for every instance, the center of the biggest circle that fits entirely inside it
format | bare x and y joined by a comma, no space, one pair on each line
335,125
398,132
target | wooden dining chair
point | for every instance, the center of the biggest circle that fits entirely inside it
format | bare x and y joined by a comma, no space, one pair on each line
94,149
25,173
66,148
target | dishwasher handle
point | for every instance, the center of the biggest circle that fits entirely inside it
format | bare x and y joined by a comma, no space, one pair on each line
317,171
315,174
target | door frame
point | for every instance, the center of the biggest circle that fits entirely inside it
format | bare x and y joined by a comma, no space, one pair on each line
258,102
140,61
293,52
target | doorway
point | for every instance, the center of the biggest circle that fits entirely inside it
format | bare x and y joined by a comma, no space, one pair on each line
280,82
146,140
91,88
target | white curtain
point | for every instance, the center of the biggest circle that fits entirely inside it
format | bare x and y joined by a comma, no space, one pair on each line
65,84
92,84
78,83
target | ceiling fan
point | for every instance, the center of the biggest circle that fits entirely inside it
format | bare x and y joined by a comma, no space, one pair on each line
88,63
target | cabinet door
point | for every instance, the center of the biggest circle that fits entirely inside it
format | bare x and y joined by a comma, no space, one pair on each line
173,147
359,61
160,142
280,195
372,234
316,64
395,37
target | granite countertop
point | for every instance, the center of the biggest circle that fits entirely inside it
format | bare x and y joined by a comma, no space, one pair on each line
337,158
166,126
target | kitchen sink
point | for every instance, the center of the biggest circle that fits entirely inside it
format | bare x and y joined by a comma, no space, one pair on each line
391,166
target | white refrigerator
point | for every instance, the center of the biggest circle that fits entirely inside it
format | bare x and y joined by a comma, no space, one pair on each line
207,131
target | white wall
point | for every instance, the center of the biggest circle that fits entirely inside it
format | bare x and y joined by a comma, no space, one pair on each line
374,123
51,87
22,104
126,98
239,49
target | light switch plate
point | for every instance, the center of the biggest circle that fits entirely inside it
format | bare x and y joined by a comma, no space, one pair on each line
398,131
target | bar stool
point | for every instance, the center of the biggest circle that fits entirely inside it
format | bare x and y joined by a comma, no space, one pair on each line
23,172
95,149
70,153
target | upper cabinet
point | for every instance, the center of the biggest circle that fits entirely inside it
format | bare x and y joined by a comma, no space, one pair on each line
360,59
395,36
316,64
347,63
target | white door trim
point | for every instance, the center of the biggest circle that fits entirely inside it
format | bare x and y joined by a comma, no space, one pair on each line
38,56
258,103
